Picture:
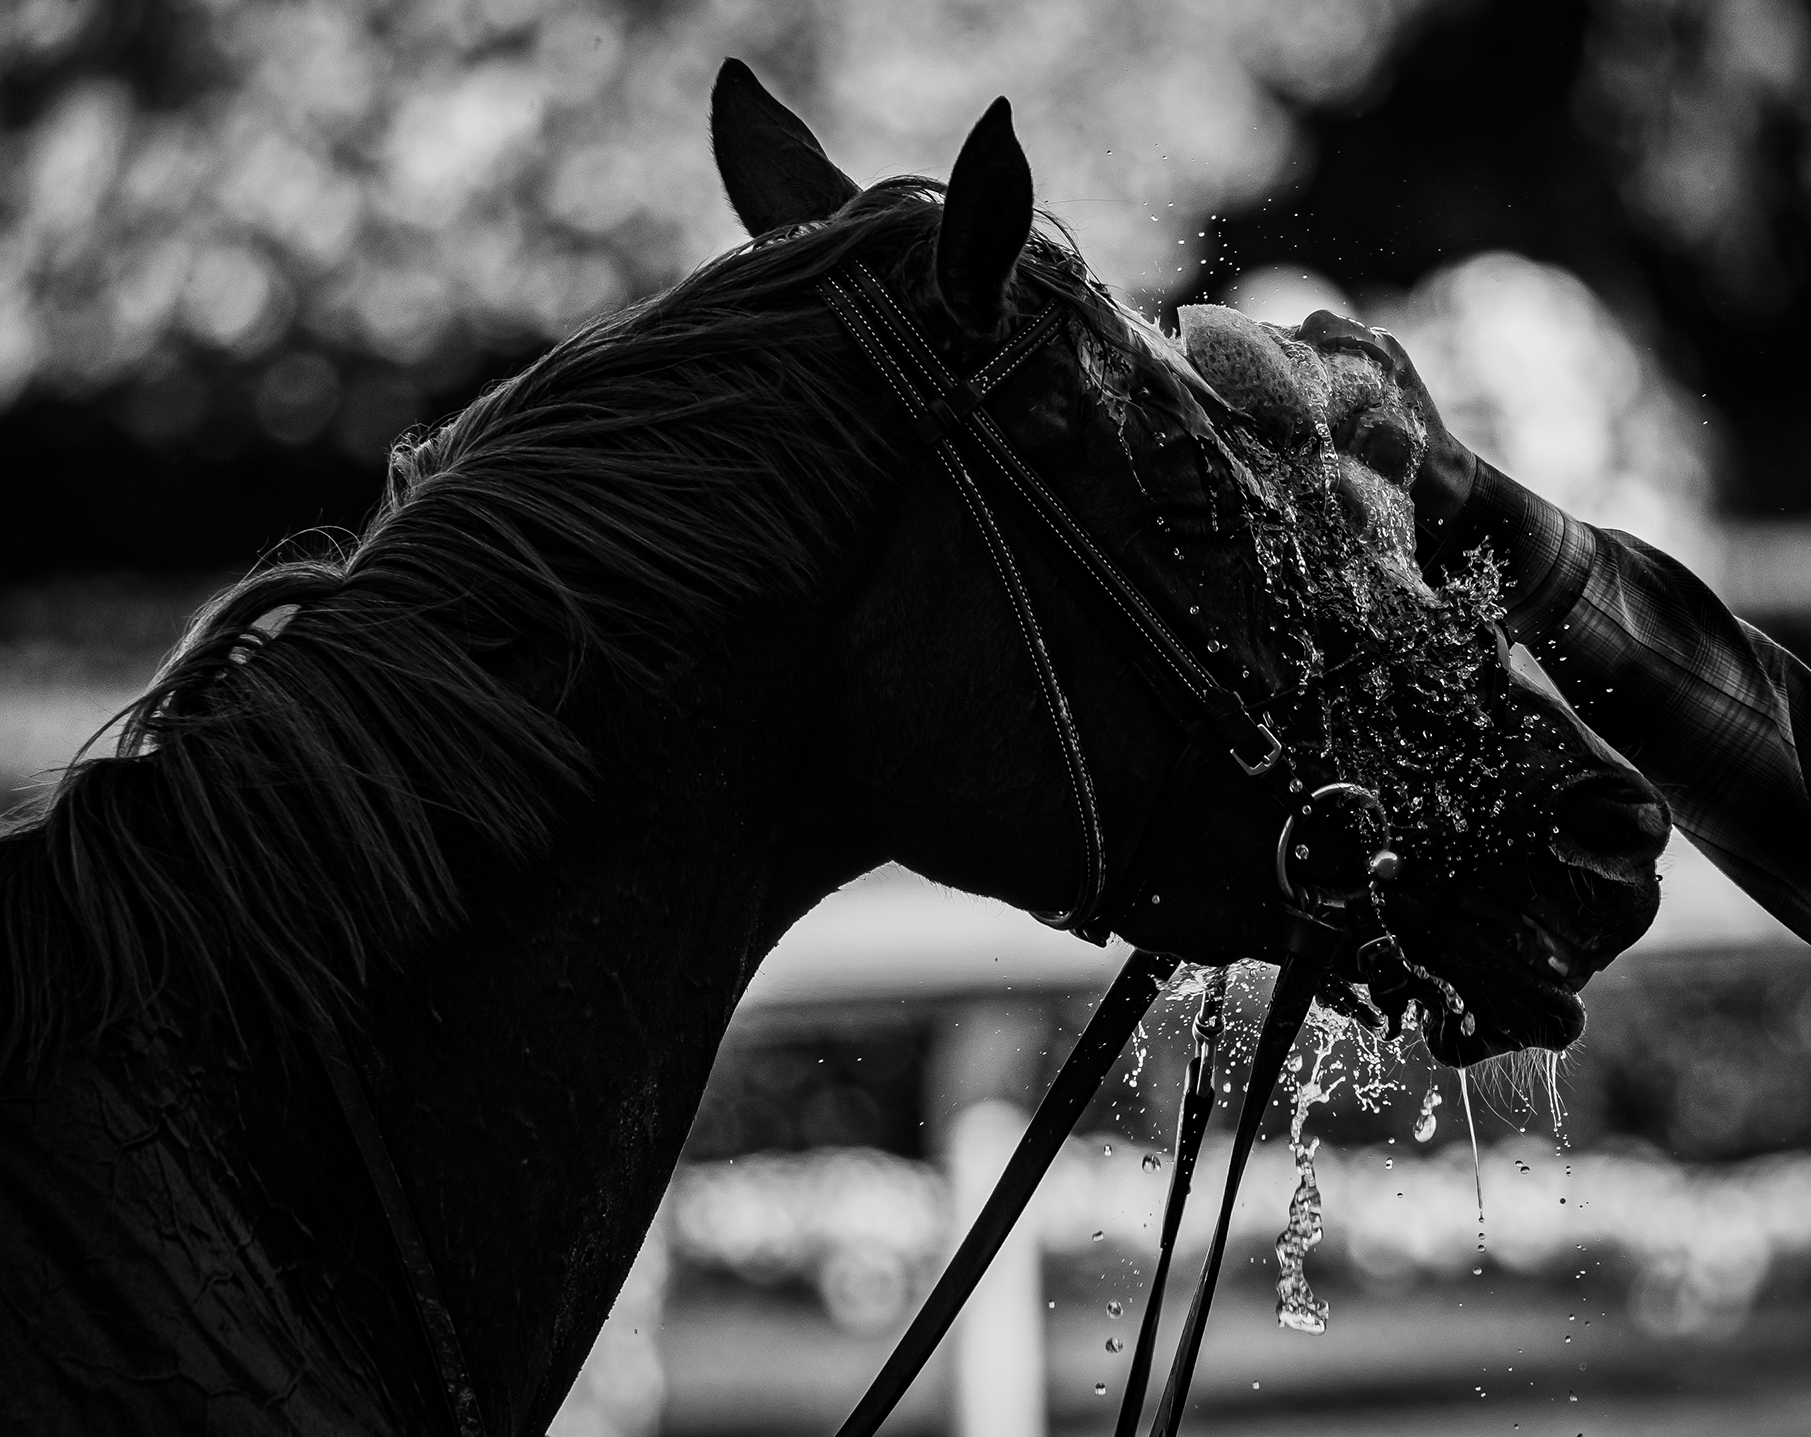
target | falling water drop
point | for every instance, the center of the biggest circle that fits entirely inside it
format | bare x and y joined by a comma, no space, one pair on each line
1152,1161
1426,1123
1099,1235
1115,1344
1100,1389
1106,1150
1115,1309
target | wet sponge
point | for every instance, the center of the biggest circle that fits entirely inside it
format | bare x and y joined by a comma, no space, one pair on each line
1243,361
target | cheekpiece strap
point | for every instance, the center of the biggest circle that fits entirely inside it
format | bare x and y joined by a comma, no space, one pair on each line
942,408
948,414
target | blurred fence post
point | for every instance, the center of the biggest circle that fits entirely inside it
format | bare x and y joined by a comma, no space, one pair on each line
989,1055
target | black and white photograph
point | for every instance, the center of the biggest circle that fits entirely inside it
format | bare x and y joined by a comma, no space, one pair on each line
905,718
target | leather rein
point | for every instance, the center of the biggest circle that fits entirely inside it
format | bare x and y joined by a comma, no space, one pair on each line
1008,499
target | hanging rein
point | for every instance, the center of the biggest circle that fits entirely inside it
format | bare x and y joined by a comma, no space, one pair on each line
1010,502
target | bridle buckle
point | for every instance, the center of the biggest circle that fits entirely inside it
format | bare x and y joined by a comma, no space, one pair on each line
1266,763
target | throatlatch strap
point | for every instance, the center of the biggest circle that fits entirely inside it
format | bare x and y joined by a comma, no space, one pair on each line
1083,1071
418,1269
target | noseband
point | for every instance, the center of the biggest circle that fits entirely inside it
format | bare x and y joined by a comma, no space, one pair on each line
1008,500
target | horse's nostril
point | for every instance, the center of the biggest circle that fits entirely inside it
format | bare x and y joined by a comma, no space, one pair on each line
1651,819
1614,815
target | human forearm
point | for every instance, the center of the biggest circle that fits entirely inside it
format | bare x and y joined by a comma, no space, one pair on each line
1706,706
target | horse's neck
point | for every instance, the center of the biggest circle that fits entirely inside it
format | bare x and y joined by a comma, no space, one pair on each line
541,1069
534,1072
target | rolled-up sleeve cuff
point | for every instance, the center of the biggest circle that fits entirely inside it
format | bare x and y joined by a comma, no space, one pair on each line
1546,554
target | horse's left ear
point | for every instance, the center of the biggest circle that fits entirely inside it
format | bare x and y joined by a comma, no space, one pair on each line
774,170
986,221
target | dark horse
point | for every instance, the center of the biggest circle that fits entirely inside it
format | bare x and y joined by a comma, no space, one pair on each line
645,652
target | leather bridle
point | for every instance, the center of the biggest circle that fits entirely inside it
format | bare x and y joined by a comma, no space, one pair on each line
1198,691
1195,687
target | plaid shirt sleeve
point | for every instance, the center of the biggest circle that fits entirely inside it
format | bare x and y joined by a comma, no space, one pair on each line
1705,705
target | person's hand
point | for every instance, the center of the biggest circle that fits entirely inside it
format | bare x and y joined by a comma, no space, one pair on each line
1443,482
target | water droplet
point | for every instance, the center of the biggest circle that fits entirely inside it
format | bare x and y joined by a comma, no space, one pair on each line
1114,1344
1099,1235
1115,1309
1152,1162
1426,1123
1389,1162
1106,1150
1100,1389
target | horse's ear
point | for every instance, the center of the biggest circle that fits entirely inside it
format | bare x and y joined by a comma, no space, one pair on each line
986,221
774,170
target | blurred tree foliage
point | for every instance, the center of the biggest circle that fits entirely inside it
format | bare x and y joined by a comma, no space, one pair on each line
1658,149
244,243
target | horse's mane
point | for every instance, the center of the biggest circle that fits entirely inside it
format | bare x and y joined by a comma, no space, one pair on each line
277,815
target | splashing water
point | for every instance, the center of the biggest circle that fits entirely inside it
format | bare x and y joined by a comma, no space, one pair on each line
1426,1123
1141,1049
1454,1003
1297,1306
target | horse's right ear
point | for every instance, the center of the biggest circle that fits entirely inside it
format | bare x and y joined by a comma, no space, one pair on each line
774,170
986,221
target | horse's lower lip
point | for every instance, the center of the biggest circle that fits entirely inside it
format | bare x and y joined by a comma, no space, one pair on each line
1453,1046
1499,958
1549,1011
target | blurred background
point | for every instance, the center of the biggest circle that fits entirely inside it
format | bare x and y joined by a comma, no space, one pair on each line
246,243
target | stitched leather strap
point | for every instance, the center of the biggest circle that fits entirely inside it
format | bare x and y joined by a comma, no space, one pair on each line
1003,493
941,408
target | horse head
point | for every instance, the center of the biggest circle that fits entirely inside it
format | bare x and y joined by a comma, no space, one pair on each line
1206,465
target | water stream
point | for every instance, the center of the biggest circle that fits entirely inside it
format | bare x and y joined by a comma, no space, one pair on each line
1297,1306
